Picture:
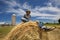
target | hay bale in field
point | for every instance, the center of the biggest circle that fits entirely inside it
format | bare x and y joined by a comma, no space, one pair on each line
28,31
24,31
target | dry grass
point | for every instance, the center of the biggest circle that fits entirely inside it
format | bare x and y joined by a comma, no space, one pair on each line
31,31
24,31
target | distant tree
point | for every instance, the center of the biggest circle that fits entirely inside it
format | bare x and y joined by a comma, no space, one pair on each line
59,21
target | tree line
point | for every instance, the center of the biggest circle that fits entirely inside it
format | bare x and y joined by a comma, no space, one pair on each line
59,21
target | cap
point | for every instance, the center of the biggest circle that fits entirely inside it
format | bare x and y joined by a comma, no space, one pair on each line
27,10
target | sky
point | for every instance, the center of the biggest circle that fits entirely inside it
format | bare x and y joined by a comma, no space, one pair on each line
42,10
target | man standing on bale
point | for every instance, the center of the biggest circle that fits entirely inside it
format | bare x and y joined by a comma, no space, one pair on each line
26,17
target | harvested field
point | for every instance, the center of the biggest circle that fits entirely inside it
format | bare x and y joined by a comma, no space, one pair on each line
31,31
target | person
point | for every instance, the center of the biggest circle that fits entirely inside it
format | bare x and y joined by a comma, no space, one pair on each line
42,26
26,16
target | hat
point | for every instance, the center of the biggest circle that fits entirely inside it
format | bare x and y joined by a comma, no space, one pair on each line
27,10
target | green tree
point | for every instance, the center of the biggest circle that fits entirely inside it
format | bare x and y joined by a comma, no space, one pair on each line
59,21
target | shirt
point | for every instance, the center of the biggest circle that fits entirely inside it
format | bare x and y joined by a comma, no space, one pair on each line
27,17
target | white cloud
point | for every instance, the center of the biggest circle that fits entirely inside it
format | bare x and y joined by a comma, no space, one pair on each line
44,15
12,3
49,5
26,6
56,2
55,9
48,17
19,11
11,9
34,12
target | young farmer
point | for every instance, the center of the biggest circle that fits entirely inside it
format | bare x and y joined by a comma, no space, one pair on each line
26,17
41,25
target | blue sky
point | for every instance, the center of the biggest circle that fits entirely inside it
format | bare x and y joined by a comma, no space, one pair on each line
43,10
